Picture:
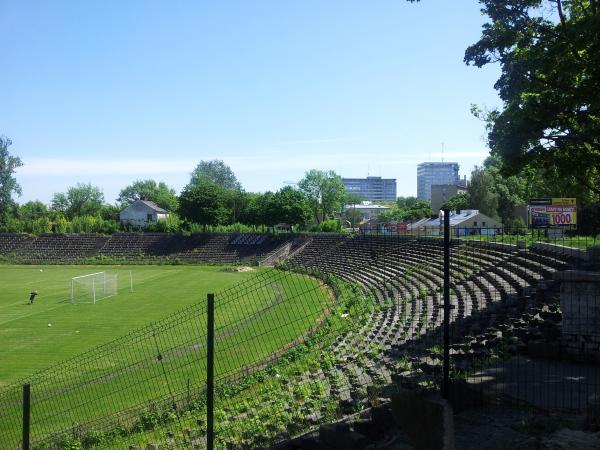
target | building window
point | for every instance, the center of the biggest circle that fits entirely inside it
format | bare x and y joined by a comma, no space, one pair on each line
149,217
474,223
483,224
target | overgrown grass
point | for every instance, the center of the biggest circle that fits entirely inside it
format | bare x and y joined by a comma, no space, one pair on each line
150,366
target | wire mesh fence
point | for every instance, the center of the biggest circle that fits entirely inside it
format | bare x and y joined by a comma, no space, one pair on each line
334,329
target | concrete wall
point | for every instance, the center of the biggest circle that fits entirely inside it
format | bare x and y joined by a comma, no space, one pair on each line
580,306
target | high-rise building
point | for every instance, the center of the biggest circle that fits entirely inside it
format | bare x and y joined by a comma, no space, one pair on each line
430,173
375,189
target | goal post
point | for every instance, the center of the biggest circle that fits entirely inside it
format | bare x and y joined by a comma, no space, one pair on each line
93,287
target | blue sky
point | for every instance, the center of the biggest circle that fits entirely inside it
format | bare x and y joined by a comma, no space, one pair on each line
109,92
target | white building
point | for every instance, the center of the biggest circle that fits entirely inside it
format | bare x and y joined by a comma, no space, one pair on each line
468,222
142,212
367,210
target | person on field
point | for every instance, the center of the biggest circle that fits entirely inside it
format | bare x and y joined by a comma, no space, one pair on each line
32,295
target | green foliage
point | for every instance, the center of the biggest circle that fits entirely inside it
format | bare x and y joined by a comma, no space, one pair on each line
549,123
8,183
290,206
328,226
204,202
324,191
159,193
406,209
32,210
458,202
82,199
218,173
171,224
482,194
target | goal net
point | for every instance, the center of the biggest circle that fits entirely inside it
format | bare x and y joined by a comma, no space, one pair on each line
93,287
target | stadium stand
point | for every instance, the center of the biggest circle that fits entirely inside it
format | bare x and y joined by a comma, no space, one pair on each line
203,247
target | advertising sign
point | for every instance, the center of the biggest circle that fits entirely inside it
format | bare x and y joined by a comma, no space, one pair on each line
552,212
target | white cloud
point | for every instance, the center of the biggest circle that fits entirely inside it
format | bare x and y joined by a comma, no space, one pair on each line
61,167
317,141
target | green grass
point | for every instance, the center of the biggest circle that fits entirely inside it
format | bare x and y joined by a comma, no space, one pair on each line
29,345
582,242
273,310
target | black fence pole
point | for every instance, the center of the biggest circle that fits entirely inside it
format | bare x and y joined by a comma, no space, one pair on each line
210,371
26,415
446,367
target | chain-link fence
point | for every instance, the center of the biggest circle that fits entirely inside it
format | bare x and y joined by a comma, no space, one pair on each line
332,330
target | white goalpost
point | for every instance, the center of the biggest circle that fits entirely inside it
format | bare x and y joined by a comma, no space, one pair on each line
93,287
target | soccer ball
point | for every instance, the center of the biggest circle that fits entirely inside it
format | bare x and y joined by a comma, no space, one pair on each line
41,270
49,324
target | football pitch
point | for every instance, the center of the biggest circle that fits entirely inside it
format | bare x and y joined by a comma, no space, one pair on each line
53,329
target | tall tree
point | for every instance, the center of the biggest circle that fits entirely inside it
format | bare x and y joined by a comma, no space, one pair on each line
204,202
31,211
82,199
291,206
159,193
8,182
548,51
324,191
218,172
482,192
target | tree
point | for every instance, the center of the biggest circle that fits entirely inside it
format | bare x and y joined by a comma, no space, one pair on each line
548,51
82,199
406,202
8,183
218,172
419,209
482,192
159,193
352,215
458,202
291,206
204,202
31,211
324,191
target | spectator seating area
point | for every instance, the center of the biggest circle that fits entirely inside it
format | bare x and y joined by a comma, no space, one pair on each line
405,277
203,247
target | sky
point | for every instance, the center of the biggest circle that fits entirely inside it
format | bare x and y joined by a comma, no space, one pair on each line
110,92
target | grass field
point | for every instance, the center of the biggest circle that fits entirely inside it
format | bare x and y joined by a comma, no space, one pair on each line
252,323
28,344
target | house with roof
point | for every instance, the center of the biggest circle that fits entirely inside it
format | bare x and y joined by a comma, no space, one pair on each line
141,213
367,210
468,222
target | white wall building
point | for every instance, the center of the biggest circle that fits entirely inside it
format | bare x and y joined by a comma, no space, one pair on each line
142,212
367,210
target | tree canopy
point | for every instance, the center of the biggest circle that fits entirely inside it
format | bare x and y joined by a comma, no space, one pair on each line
204,202
218,172
80,200
8,182
324,191
159,193
548,51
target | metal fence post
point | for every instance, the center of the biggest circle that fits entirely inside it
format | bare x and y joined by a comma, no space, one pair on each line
26,415
210,369
446,367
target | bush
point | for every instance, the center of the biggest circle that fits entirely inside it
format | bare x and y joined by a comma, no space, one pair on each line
329,226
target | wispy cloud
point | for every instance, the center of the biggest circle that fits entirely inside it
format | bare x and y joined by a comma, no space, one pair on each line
57,167
146,167
317,141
